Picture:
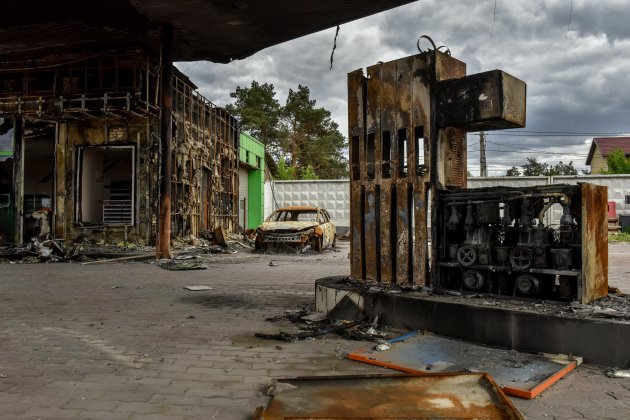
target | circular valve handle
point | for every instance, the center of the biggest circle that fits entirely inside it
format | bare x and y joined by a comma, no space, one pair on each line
467,255
521,258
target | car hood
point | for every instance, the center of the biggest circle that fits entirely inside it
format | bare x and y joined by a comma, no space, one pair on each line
291,226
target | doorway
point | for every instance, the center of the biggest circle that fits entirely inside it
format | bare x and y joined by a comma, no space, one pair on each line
106,186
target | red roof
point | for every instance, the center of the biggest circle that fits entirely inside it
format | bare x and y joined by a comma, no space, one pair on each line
607,145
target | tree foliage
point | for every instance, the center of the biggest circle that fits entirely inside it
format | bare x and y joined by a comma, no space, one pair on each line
513,171
618,163
535,168
258,113
300,136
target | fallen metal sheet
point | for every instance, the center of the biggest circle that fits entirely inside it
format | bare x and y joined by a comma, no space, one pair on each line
197,288
519,374
434,396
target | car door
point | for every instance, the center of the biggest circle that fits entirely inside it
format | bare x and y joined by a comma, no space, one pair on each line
327,227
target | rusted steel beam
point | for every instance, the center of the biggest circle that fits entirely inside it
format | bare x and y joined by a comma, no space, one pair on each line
59,222
594,279
356,135
384,76
372,166
18,178
164,236
404,188
420,151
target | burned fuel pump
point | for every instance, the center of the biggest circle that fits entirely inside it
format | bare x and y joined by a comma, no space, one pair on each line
525,242
408,120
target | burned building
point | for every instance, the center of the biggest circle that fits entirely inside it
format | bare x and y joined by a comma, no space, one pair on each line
81,140
408,120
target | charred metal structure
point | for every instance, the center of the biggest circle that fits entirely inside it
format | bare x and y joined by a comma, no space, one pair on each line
507,241
408,120
86,159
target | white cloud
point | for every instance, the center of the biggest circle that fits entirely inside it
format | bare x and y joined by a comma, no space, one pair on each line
574,62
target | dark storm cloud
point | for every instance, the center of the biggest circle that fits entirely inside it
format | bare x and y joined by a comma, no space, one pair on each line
576,74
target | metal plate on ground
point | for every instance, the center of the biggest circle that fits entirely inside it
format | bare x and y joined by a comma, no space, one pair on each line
520,374
435,396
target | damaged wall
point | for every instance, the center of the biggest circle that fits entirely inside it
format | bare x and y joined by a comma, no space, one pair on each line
105,147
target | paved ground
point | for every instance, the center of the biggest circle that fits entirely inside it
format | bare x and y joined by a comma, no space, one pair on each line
127,341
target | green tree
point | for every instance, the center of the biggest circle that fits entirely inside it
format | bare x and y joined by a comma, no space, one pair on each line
286,172
311,138
562,169
298,131
258,113
535,168
618,163
513,171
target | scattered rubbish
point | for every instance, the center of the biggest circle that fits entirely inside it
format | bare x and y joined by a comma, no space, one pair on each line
383,345
618,373
127,258
346,320
607,313
175,265
615,290
190,317
220,235
315,317
346,309
198,288
303,335
519,374
272,264
429,396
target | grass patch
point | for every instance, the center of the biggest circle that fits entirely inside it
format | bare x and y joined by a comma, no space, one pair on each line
619,237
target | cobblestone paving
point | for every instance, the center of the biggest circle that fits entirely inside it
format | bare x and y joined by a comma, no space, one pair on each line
126,341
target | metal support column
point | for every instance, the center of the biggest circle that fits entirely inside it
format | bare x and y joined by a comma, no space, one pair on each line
163,249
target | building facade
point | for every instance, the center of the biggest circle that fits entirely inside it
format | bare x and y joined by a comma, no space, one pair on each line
81,155
251,182
601,147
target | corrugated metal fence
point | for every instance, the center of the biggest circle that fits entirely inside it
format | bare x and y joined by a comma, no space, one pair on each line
334,195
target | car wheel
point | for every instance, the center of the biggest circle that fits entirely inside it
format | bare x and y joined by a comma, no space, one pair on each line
318,244
334,242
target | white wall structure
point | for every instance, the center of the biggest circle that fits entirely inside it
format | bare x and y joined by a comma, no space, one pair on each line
334,195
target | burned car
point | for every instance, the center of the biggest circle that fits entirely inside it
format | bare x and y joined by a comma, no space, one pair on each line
296,228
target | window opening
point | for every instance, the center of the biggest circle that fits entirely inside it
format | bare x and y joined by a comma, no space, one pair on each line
106,186
402,152
386,152
419,138
370,151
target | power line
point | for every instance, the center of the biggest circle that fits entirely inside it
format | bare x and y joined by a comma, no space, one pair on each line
534,151
596,133
546,145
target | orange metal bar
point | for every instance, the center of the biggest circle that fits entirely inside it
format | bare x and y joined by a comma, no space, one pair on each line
515,392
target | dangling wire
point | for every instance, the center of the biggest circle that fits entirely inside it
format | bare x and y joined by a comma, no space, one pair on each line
332,54
428,39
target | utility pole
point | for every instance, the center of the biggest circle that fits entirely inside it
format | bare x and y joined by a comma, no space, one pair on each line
483,166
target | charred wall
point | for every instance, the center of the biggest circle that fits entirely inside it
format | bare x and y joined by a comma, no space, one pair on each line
105,147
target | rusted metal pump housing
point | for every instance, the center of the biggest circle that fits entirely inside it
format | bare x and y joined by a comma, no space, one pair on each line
408,120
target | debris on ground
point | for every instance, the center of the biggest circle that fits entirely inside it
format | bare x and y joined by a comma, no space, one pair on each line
427,396
520,374
198,288
618,373
181,265
345,320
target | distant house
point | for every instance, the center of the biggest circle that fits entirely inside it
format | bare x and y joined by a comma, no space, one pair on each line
602,147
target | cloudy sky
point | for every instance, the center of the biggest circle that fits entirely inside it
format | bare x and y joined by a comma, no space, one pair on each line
574,56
